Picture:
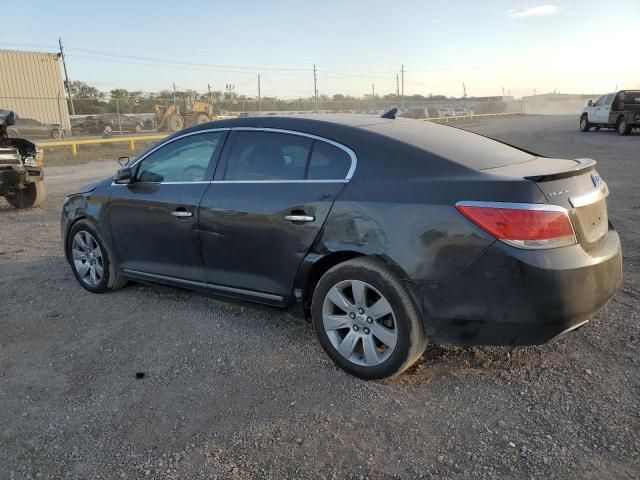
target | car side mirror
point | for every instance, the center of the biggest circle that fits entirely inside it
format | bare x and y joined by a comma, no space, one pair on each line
124,175
590,103
10,119
123,161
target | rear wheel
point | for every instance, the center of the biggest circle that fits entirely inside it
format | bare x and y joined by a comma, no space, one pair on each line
584,123
365,320
201,118
108,129
622,126
138,128
31,195
90,259
55,133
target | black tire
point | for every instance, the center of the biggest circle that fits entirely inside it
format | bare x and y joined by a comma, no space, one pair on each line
411,340
622,127
110,280
584,123
138,128
55,133
175,122
32,195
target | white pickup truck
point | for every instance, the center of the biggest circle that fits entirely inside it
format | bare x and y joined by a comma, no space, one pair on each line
619,110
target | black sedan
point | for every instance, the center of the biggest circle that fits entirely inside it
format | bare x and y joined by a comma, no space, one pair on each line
109,123
387,233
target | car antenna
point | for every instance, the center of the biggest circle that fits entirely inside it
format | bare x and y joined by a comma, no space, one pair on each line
390,113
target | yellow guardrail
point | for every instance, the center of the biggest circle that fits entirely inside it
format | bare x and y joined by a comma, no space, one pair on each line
97,141
470,117
145,138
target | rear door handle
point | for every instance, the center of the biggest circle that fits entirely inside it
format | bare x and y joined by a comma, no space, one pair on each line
181,214
300,218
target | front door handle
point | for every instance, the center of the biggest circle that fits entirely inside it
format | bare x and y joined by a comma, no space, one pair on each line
300,218
181,214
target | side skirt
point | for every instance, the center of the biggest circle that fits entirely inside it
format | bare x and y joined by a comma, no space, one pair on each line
208,288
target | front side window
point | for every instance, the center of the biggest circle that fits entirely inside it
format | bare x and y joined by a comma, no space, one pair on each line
183,160
607,100
267,156
600,101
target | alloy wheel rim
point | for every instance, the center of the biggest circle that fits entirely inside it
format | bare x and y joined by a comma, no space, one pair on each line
87,258
360,323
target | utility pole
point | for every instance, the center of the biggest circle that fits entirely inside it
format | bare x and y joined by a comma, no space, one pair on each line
503,91
373,96
209,88
259,98
402,71
315,86
66,77
397,88
464,90
174,93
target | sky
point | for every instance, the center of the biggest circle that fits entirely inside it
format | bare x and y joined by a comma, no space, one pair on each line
492,46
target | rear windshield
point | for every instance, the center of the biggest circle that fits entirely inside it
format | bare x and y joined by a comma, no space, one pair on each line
454,144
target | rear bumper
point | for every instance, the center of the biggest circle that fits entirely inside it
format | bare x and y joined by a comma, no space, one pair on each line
510,296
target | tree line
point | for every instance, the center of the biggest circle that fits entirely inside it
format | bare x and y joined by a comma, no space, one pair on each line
89,100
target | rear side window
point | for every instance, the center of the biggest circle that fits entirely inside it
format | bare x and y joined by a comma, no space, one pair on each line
328,162
267,156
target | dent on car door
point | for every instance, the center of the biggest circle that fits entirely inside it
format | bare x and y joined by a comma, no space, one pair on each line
272,194
153,220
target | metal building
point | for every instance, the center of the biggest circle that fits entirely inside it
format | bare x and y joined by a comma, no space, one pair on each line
31,85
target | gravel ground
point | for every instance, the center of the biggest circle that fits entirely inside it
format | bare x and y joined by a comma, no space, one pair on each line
234,391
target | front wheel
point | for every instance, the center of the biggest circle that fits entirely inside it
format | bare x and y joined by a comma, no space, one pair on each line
584,124
366,321
90,259
31,195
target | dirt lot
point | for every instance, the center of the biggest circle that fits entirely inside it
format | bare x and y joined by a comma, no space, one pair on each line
234,391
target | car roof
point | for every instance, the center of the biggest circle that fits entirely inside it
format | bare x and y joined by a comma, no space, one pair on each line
457,145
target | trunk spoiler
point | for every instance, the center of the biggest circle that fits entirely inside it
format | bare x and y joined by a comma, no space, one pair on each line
583,165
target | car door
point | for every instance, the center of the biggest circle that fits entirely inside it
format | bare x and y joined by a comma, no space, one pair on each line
593,109
272,193
154,219
602,111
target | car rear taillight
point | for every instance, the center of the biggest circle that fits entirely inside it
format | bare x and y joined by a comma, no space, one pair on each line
522,225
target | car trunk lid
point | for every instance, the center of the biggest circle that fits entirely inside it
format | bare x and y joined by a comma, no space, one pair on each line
574,185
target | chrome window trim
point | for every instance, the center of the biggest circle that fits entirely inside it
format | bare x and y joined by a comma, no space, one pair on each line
351,153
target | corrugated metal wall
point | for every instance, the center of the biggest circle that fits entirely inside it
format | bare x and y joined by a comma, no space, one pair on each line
31,85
